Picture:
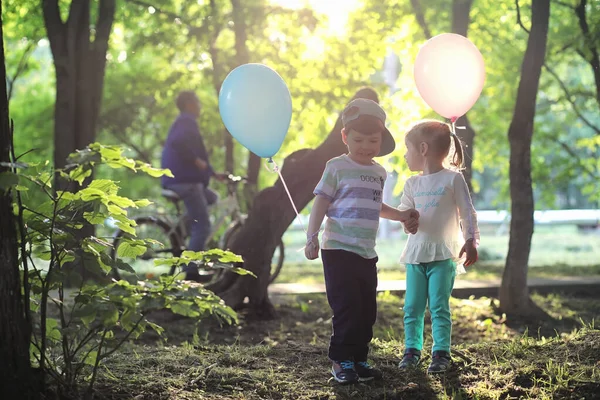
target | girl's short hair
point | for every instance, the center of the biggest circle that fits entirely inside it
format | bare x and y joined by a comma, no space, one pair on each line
439,136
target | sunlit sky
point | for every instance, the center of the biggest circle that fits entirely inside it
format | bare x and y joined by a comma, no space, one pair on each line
336,11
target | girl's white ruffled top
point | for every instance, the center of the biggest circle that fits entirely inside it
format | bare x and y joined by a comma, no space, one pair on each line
445,209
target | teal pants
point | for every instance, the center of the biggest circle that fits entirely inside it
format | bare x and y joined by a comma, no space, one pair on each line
428,282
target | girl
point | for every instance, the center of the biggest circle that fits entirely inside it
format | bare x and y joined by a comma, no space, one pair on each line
442,199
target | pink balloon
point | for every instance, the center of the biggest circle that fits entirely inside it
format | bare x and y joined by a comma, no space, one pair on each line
449,74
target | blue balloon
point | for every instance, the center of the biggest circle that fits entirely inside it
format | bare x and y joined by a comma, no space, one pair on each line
256,108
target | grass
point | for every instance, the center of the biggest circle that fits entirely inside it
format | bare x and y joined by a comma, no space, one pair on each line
556,251
286,358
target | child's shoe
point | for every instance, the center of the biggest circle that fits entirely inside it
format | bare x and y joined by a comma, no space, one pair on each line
344,372
366,372
411,358
440,362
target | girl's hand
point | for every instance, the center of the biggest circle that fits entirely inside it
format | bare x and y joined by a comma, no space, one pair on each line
408,214
471,251
411,225
311,250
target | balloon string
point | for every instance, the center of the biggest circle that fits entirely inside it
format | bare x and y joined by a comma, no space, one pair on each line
454,127
277,169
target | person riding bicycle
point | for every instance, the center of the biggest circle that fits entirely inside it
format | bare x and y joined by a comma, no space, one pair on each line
185,155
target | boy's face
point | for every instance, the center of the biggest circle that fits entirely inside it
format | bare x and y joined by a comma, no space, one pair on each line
362,147
414,156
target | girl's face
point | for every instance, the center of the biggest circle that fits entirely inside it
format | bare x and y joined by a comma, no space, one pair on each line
414,156
362,147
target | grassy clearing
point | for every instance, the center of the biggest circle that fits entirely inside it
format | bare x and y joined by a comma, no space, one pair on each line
287,358
556,251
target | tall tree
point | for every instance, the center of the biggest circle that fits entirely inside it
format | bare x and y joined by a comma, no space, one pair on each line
270,216
15,370
79,50
514,292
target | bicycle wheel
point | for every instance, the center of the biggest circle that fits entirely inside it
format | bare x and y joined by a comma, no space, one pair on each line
278,255
156,229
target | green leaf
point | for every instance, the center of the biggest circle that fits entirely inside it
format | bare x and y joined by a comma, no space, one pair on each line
89,194
154,172
110,317
52,331
125,226
115,210
80,173
94,218
130,249
68,256
157,328
128,319
121,201
87,314
143,203
184,308
91,357
223,256
105,185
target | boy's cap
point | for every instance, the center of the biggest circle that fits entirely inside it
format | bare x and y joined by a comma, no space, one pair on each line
364,107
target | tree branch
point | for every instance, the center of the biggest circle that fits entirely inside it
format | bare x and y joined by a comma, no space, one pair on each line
106,12
20,68
416,5
568,94
577,157
569,98
124,139
562,3
54,27
519,20
594,59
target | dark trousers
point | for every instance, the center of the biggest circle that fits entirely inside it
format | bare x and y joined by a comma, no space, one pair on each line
351,283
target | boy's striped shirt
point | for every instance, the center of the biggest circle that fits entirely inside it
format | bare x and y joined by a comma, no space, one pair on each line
355,192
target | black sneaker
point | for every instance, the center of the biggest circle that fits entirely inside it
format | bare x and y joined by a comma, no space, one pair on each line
366,372
344,372
440,362
411,359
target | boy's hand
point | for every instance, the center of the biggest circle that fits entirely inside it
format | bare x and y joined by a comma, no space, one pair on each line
471,251
311,250
410,220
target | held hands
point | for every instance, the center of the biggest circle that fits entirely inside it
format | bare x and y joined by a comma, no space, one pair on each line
410,220
311,250
471,252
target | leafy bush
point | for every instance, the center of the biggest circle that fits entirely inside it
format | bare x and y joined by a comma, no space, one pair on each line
73,335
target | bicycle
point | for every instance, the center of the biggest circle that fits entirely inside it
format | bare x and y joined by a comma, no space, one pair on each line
172,232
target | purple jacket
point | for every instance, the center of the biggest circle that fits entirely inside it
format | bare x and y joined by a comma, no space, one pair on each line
184,144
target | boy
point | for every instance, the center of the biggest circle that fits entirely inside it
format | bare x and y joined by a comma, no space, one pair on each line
350,194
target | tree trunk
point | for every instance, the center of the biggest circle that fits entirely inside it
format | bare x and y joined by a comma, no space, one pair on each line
270,216
80,65
514,292
461,10
16,374
243,57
